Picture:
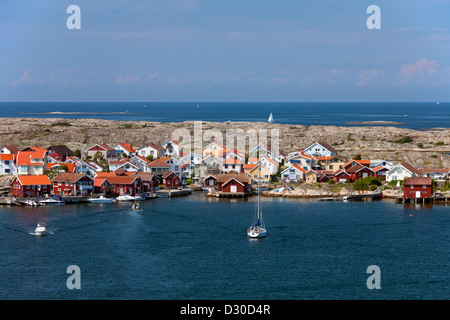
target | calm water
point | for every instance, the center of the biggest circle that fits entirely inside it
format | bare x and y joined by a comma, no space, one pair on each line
196,248
411,115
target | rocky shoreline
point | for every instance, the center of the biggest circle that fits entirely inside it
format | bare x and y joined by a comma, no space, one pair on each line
427,148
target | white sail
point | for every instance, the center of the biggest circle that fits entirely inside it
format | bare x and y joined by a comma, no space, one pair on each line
270,118
258,229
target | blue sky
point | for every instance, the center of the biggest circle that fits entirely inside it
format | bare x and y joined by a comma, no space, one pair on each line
211,50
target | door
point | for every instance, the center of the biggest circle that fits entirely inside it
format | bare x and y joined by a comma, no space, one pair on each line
233,189
365,174
417,194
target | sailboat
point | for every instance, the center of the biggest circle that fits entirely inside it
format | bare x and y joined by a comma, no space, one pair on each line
437,102
258,228
270,118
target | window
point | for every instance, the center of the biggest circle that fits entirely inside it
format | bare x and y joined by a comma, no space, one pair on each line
6,161
424,187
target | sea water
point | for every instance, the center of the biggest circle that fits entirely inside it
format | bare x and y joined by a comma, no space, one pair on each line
194,247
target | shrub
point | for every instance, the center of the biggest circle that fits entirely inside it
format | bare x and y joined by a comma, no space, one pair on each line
405,139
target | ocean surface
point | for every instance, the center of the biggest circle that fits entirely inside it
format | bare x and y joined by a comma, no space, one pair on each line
196,247
407,115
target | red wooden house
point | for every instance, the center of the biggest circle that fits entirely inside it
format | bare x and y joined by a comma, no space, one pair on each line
211,181
418,187
149,181
359,171
233,184
380,172
341,176
102,186
352,163
171,180
125,185
31,186
69,183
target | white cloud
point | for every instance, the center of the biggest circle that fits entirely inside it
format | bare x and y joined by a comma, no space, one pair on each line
372,77
24,79
421,71
128,79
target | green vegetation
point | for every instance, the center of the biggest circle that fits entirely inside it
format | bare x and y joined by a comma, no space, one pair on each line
367,183
61,123
405,139
440,143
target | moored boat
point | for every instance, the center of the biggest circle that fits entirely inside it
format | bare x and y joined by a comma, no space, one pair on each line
101,199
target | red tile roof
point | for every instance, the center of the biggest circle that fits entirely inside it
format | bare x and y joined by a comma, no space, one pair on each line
24,157
69,176
418,181
158,163
6,157
34,180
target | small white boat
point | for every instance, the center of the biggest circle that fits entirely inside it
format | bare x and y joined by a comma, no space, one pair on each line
31,203
270,118
101,199
136,206
162,194
40,229
139,197
125,197
53,202
150,195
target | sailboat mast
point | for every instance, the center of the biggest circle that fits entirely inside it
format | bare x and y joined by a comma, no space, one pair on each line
259,190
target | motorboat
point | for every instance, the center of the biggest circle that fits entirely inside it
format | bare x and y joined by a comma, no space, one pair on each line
139,197
52,201
150,195
136,206
31,203
125,197
40,229
101,199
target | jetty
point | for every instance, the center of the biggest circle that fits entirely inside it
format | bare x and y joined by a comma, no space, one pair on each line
169,193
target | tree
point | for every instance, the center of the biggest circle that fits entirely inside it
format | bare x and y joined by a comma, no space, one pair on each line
77,153
357,157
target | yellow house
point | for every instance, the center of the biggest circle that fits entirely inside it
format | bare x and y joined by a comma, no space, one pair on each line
311,176
332,163
214,148
266,175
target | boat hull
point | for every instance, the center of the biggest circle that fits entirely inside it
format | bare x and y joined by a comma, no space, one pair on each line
257,234
40,232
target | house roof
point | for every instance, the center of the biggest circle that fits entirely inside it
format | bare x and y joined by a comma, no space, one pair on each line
141,158
434,170
295,167
325,145
153,145
411,168
242,178
70,166
158,163
99,181
70,176
62,149
6,157
338,172
34,180
11,148
168,173
121,179
103,146
128,147
379,168
145,176
418,181
24,157
232,161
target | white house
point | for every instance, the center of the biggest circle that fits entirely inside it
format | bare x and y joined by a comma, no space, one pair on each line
140,162
125,148
293,174
172,148
232,165
7,164
270,164
402,171
124,164
302,160
381,163
151,149
9,149
320,149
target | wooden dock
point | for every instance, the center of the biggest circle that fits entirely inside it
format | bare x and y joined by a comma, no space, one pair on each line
422,200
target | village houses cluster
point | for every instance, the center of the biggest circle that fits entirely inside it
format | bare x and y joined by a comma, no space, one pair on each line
111,170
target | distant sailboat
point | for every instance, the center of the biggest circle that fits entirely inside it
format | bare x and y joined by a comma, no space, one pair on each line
197,106
270,118
437,102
